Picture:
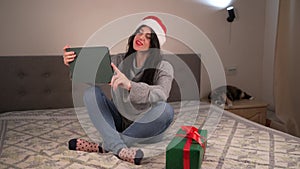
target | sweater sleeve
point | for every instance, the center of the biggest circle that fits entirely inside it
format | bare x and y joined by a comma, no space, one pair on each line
117,59
142,93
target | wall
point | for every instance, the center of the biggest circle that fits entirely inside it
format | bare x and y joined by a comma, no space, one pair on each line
35,27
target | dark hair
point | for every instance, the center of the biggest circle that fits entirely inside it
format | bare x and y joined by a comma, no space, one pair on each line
151,62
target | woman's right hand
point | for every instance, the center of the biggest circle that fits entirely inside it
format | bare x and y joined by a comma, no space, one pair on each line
68,56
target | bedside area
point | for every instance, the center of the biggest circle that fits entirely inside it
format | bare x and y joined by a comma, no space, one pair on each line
253,110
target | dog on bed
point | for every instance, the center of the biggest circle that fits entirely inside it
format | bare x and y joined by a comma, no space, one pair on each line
226,95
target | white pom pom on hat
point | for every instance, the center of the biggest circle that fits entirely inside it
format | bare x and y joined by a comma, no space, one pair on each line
157,26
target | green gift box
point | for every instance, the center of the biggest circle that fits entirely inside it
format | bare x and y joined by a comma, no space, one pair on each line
183,152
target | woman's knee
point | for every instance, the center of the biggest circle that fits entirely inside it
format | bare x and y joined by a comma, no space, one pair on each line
166,117
168,113
91,93
169,108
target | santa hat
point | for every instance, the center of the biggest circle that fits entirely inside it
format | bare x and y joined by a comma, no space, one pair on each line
157,26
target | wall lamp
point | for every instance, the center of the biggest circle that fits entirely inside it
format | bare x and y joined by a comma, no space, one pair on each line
231,14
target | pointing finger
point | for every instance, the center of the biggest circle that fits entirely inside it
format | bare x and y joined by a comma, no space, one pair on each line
115,68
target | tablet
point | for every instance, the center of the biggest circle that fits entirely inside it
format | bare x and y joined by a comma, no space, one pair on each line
92,65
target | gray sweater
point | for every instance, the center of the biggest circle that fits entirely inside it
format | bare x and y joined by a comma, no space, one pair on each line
132,104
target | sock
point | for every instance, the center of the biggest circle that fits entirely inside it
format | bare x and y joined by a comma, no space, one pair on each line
134,156
84,145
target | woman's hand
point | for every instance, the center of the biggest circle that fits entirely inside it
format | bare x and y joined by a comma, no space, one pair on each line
68,56
119,79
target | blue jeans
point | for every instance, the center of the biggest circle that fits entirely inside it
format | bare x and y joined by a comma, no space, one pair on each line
108,121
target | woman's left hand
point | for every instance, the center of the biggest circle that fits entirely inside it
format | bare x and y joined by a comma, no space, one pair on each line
119,79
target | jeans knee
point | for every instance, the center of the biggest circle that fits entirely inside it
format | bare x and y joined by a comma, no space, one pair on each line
166,117
91,93
168,113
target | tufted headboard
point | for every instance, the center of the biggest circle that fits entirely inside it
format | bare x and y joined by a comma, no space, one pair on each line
42,82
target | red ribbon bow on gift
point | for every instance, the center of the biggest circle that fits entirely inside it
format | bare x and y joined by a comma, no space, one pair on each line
191,134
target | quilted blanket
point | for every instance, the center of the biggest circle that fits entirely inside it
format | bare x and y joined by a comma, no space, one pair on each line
38,139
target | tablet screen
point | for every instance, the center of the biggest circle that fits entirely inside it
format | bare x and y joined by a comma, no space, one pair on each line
91,65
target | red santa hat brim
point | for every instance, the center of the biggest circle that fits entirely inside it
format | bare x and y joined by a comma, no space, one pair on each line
157,26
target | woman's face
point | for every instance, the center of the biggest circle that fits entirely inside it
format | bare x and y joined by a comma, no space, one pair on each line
141,41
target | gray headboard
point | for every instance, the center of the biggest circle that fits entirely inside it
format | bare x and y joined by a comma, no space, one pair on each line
42,82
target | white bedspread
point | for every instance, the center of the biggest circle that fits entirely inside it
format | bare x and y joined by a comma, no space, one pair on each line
38,139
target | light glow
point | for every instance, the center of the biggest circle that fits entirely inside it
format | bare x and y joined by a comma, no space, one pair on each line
230,8
221,4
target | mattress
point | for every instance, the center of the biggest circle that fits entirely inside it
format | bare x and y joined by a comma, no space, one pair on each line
38,139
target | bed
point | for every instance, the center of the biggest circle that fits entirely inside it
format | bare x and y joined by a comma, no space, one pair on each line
38,117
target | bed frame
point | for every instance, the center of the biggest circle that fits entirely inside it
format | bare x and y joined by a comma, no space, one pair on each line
42,82
32,83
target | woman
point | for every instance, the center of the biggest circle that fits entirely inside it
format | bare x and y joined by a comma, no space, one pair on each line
140,87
